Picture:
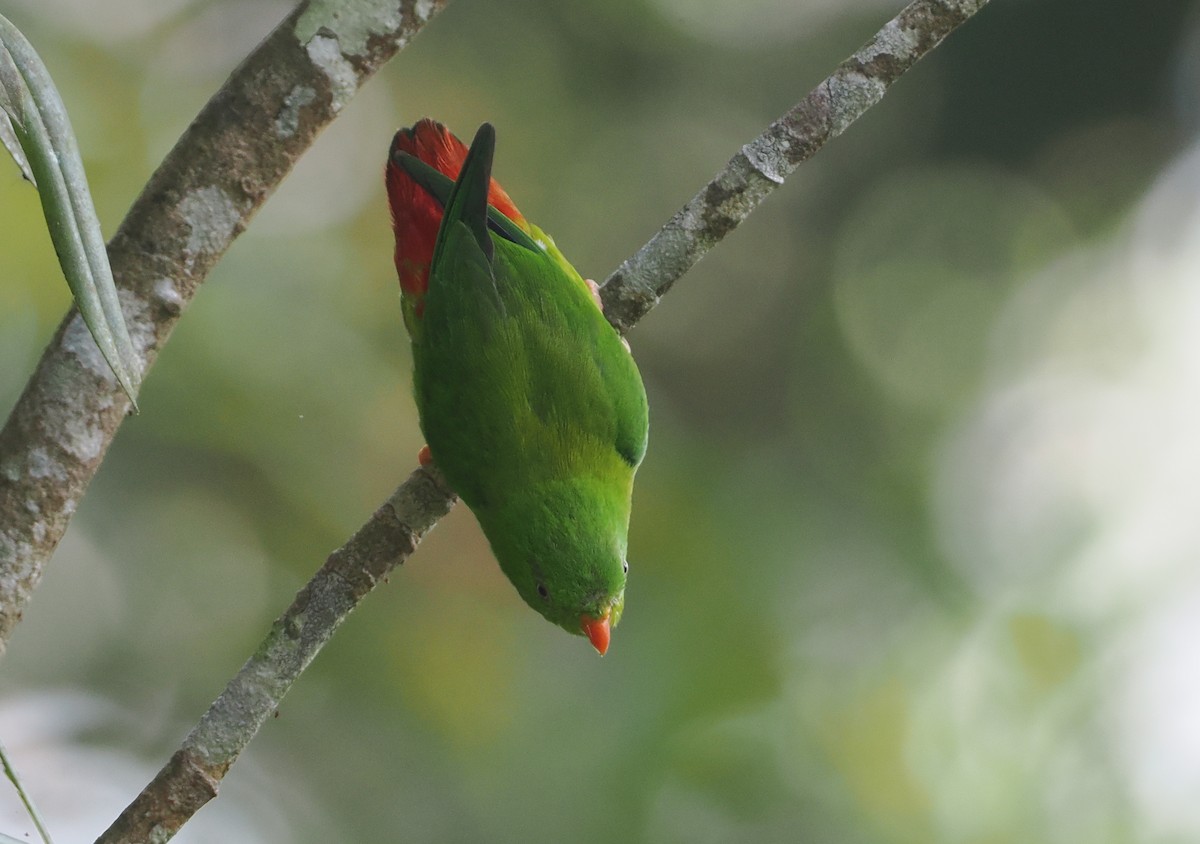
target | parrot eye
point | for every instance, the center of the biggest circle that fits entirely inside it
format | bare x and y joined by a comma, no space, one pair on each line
543,591
625,567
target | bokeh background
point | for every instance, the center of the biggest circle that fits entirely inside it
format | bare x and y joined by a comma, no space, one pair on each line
915,550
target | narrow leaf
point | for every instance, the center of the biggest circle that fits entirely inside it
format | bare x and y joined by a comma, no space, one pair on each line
10,82
34,814
9,139
10,85
39,122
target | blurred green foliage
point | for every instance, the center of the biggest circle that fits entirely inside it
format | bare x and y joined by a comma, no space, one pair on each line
869,599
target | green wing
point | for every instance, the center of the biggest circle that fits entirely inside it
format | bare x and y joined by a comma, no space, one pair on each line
518,376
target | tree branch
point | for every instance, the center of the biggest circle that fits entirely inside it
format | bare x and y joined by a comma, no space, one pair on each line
193,774
762,165
234,154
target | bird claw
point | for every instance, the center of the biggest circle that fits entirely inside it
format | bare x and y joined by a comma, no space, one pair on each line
595,290
424,456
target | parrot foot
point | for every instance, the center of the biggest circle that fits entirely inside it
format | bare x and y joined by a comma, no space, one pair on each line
424,456
595,288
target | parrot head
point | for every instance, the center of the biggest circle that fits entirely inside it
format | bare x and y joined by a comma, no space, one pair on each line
557,544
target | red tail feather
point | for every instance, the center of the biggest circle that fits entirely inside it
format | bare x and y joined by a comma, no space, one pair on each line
415,214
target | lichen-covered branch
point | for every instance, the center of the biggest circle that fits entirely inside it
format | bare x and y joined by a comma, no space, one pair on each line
193,774
762,165
234,154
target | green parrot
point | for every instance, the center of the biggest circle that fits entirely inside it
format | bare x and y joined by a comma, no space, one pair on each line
530,402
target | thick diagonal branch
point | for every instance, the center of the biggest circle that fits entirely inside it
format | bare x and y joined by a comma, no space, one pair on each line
858,83
224,166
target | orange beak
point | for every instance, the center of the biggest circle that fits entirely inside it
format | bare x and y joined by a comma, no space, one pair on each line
597,630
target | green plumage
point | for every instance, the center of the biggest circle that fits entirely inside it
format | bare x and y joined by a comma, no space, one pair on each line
531,404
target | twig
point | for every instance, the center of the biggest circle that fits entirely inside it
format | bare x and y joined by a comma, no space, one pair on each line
234,154
193,774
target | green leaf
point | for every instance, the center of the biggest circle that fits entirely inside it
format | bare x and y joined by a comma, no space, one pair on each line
8,137
34,815
10,80
42,132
